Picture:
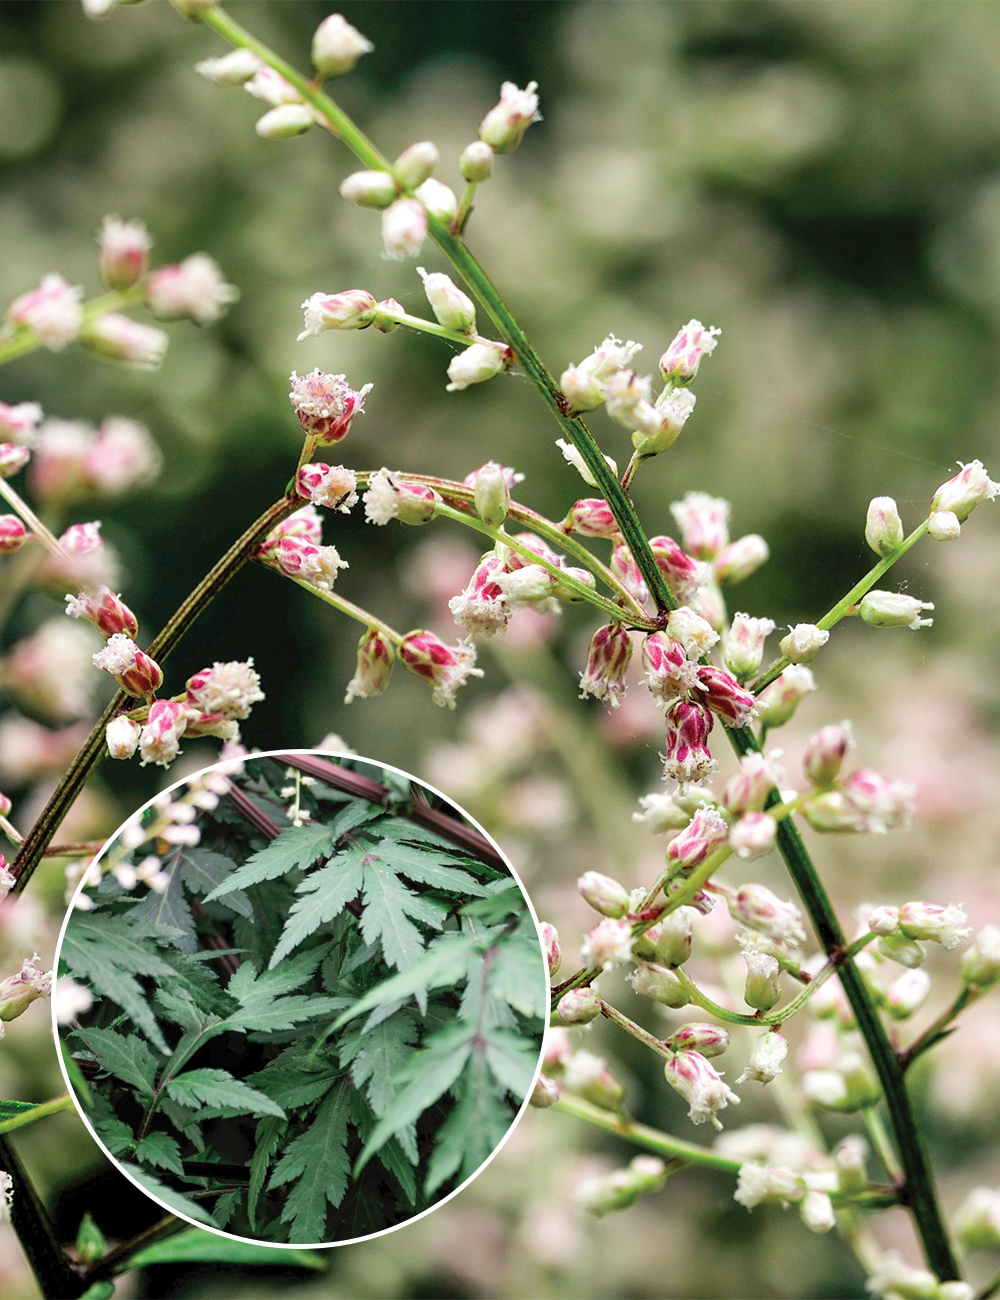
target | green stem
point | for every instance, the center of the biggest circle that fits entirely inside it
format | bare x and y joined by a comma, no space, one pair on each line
936,1031
349,608
434,328
57,1278
843,606
15,500
40,836
116,1261
53,1107
656,1045
465,207
880,1141
713,1008
650,1138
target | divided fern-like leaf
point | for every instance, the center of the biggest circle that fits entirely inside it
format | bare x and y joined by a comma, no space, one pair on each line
299,846
318,1165
211,1087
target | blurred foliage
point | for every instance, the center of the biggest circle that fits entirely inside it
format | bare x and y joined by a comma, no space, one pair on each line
817,177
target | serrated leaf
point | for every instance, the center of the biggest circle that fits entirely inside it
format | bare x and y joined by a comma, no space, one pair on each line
388,906
268,1135
8,1109
512,1059
318,1164
473,1130
127,1058
169,908
376,1057
297,1077
197,1247
517,976
204,872
299,846
430,868
218,1088
167,1196
357,813
325,894
107,952
423,1079
115,1134
261,1006
391,1155
443,963
161,1151
504,901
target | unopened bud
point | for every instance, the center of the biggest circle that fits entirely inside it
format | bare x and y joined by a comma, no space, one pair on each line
908,994
803,643
390,497
505,124
385,313
766,1056
369,189
849,1086
679,364
604,894
741,558
978,1219
133,670
897,947
883,920
415,165
12,459
961,494
337,46
672,946
122,737
657,982
120,338
17,992
124,252
816,1212
748,790
777,702
851,1159
285,121
233,69
762,990
592,517
108,612
476,162
753,835
980,964
705,832
589,1077
723,694
944,925
944,526
760,909
582,391
709,1040
374,665
704,524
883,527
438,199
545,1092
825,753
894,609
453,309
745,645
550,942
475,365
13,534
404,229
578,1007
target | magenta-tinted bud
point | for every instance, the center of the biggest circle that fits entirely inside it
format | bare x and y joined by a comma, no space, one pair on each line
679,364
701,1086
82,539
777,702
483,608
5,806
710,1040
124,255
592,517
604,894
608,944
761,990
545,1092
706,831
687,756
317,565
12,459
108,612
747,791
133,670
391,497
537,547
725,696
549,936
757,907
578,1007
386,315
672,937
19,423
505,124
670,674
193,288
894,609
907,994
657,982
159,741
17,992
684,576
353,309
961,494
122,737
404,229
883,920
325,404
753,835
704,524
944,925
741,558
879,804
556,1050
333,486
52,312
825,753
375,660
445,667
883,526
745,645
659,426
305,523
491,493
337,46
607,661
628,573
13,534
120,338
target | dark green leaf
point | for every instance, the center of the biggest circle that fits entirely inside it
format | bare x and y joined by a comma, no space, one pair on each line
161,1151
430,868
167,1196
356,814
115,1134
197,1247
8,1109
517,975
204,872
297,1077
376,1057
473,1130
512,1059
443,963
127,1058
325,893
169,908
318,1164
219,1088
388,905
299,846
269,1132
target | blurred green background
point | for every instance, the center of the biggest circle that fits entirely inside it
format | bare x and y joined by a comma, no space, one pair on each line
822,181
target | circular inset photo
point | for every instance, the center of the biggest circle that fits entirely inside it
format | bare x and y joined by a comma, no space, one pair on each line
302,998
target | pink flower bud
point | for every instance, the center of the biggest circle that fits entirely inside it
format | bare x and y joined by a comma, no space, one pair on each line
700,1085
332,486
725,696
370,189
12,459
745,645
416,165
753,835
7,878
476,364
439,201
133,670
13,534
825,753
670,675
683,575
404,229
17,992
58,471
659,426
374,665
687,755
391,497
748,790
337,46
159,742
894,609
305,523
317,565
476,162
578,1007
197,723
505,124
386,312
961,494
193,288
679,364
591,517
883,527
777,702
761,990
556,1050
709,604
19,423
704,524
272,88
741,558
233,69
628,573
124,255
883,920
108,612
604,894
607,661
231,689
588,1076
766,1056
980,964
757,907
608,944
803,643
491,493
326,404
445,667
122,456
122,737
695,634
545,1092
354,309
672,937
659,983
907,994
705,832
583,392
120,338
944,526
482,608
52,312
880,805
709,1040
945,925
549,936
5,807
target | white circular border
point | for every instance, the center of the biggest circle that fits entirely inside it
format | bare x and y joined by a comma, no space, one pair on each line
297,1245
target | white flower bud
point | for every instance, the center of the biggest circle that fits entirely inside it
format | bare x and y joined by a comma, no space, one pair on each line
744,646
816,1211
894,609
753,835
589,1076
404,229
762,990
978,1219
908,994
476,364
672,941
961,494
741,558
944,526
603,894
231,69
883,920
803,643
453,309
370,189
476,162
883,527
980,964
337,46
609,944
578,1007
504,125
778,701
438,199
122,737
661,813
285,121
851,1159
766,1056
693,632
658,983
767,1185
416,164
